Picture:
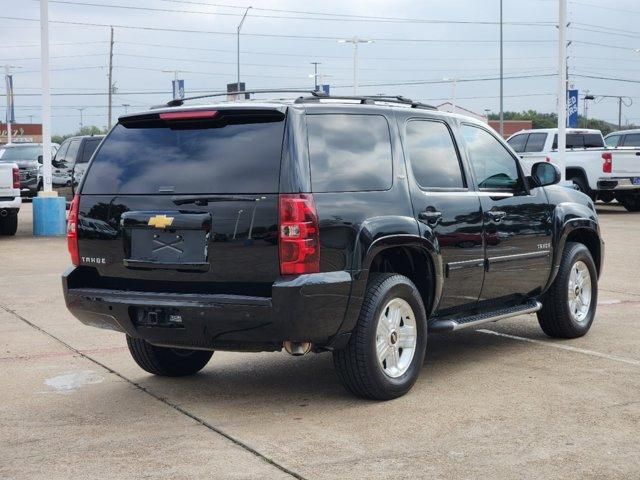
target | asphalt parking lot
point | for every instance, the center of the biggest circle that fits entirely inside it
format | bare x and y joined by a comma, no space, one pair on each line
501,402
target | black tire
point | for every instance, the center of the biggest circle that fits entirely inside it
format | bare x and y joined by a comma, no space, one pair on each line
357,365
583,186
9,225
631,202
167,362
606,197
555,317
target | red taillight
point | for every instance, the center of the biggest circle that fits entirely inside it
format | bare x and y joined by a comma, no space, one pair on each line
193,115
299,234
607,162
16,178
72,231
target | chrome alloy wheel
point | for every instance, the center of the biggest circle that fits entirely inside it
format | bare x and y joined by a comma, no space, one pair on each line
579,291
396,337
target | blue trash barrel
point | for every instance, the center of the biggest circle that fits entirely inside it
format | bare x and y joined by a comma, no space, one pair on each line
49,216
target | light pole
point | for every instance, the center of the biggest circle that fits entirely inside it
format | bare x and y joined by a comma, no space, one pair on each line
238,45
81,109
126,107
453,92
562,87
315,75
355,41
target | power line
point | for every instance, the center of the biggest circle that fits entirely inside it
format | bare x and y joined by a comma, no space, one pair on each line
351,17
596,44
273,35
607,7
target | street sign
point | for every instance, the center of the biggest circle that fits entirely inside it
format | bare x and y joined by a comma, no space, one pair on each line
326,89
178,89
11,116
572,108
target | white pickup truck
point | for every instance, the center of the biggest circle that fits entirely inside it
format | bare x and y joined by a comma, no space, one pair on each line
10,200
600,172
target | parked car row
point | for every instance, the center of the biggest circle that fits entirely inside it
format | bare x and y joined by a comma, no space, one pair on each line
68,162
601,168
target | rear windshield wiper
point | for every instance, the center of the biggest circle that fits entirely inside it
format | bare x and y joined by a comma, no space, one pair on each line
203,200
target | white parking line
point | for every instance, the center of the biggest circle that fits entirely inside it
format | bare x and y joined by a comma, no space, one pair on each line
568,348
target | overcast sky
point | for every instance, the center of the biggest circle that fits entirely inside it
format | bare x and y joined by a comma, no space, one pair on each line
274,52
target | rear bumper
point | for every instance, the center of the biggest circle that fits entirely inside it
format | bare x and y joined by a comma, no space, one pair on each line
11,205
303,308
616,184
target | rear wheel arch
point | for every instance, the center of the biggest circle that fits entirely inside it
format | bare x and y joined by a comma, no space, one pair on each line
413,261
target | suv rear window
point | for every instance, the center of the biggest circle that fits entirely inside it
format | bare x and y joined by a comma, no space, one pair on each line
349,152
232,154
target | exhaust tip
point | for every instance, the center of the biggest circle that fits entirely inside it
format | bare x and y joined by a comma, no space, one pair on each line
296,349
3,213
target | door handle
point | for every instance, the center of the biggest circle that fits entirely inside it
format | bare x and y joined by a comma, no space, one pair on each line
496,215
431,215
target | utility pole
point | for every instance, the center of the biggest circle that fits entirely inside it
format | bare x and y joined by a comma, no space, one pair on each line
501,128
619,113
126,107
562,87
315,75
355,41
110,77
238,46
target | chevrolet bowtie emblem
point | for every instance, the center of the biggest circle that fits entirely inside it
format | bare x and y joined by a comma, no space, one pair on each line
160,221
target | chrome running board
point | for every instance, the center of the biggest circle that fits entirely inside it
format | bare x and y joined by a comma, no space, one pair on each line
451,324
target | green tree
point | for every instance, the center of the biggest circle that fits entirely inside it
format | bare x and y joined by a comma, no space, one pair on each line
550,120
86,130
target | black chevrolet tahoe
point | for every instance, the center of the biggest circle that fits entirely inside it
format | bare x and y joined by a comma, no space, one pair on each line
354,225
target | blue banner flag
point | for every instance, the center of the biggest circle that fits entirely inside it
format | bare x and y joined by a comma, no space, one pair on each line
572,108
11,116
178,89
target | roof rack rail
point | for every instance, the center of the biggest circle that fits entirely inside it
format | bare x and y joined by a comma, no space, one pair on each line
180,101
365,99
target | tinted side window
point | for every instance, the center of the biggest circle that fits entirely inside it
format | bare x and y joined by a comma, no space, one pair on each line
518,142
535,143
62,151
612,141
433,155
349,152
493,165
632,140
89,147
72,153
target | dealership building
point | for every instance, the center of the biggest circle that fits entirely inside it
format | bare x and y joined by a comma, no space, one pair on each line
21,133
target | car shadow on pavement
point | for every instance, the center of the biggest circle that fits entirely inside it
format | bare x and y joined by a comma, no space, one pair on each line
289,381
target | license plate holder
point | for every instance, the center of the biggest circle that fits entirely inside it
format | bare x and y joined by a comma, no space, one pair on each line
181,246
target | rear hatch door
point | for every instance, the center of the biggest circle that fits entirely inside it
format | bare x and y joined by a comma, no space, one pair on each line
185,201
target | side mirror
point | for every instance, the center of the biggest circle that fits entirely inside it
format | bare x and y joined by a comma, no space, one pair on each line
545,173
39,158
